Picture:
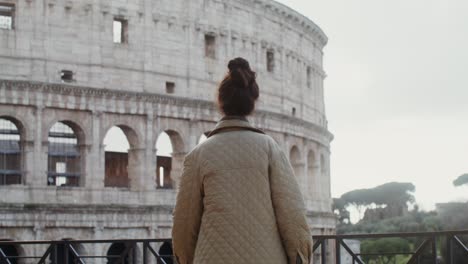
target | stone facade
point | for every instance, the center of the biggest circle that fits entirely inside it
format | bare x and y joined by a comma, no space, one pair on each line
59,62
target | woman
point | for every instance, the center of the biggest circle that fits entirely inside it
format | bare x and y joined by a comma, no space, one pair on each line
238,199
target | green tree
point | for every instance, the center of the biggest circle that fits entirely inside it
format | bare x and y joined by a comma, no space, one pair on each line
381,247
461,180
339,208
358,198
393,194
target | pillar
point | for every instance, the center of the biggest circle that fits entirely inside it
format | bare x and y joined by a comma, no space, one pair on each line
95,158
136,170
177,167
39,166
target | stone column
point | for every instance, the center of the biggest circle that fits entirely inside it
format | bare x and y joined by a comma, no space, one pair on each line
136,171
151,230
148,175
177,168
84,151
39,168
98,248
95,158
307,181
194,135
315,183
27,161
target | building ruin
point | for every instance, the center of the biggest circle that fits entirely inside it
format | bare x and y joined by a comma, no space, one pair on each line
72,70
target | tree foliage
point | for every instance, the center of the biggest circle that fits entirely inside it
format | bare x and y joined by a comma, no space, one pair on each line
382,247
461,180
339,208
413,221
393,194
385,194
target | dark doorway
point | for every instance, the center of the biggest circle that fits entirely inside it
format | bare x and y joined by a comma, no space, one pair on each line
165,251
10,251
64,255
120,253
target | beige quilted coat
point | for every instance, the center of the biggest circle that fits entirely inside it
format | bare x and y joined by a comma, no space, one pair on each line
239,203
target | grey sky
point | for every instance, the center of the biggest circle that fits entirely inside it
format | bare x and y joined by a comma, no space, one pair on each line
396,92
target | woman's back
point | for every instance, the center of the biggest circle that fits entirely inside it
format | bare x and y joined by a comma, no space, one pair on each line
238,224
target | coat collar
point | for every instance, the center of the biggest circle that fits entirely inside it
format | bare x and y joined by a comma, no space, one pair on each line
233,123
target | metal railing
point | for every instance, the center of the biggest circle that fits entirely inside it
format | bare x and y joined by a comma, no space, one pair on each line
131,251
159,251
428,249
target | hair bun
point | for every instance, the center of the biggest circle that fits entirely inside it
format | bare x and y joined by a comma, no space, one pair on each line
238,63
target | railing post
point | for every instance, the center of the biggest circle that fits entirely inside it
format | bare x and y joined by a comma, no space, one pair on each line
449,253
434,249
337,251
134,255
145,252
323,250
54,254
65,252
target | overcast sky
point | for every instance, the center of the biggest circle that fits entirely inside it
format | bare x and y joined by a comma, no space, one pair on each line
396,93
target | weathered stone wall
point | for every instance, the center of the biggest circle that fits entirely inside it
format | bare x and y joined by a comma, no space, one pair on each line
124,85
166,43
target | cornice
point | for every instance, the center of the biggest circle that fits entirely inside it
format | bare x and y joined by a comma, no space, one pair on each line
292,16
152,98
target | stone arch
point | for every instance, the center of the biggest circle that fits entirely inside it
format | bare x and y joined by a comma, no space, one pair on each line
14,251
65,154
294,155
296,161
297,164
120,166
178,130
12,136
63,250
177,141
115,253
18,123
132,135
71,119
165,162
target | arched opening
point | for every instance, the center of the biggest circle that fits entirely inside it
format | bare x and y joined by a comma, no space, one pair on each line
164,152
295,159
169,158
10,153
116,146
165,251
11,252
323,166
121,253
66,253
311,174
64,159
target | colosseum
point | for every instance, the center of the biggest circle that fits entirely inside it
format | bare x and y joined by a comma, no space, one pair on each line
71,72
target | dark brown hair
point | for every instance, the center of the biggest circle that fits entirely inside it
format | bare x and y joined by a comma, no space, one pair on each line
238,91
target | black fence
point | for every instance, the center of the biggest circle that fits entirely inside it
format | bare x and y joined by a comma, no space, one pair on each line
116,251
445,247
449,247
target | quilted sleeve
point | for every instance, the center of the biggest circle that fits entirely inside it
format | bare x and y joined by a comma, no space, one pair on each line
289,208
187,213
